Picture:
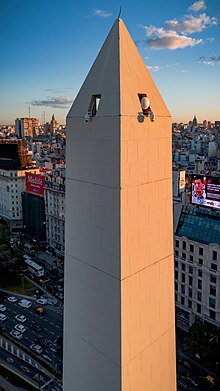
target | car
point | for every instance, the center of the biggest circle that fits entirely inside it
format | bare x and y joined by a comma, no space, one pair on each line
210,379
3,317
19,327
20,318
182,384
3,327
42,301
59,295
58,288
24,303
36,348
184,363
2,308
12,299
16,334
40,311
190,379
36,327
44,342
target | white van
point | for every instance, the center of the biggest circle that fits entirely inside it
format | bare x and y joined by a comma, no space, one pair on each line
25,303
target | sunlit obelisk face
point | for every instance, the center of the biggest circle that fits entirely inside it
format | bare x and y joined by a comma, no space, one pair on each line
119,288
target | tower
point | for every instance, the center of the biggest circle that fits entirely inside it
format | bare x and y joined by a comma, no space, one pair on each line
119,330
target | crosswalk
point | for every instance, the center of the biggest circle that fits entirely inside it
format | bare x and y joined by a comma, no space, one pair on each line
6,345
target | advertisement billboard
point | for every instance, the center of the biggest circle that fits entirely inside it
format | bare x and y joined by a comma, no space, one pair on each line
206,191
35,184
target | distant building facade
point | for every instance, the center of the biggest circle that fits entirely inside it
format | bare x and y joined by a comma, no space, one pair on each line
55,209
26,127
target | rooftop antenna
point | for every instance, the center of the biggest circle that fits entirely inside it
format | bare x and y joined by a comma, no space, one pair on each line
119,14
29,111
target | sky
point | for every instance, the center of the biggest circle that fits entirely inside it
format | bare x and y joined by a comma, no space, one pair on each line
47,48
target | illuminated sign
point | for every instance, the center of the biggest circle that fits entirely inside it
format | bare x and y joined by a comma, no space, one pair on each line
35,184
206,191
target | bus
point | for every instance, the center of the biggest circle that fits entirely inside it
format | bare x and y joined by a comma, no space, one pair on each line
34,268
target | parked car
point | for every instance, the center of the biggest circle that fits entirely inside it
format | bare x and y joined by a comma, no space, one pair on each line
210,379
184,363
20,318
36,348
42,301
3,317
190,379
12,299
16,334
2,308
19,327
25,303
182,384
36,327
40,311
58,288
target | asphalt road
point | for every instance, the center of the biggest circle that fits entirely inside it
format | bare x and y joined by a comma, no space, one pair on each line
52,324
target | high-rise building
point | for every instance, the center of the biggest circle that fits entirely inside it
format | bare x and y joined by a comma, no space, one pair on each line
26,127
119,327
55,209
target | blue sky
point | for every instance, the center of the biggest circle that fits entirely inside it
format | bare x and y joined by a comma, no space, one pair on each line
48,47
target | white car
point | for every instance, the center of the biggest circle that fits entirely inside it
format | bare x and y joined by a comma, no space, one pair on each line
36,348
12,299
3,317
16,334
2,307
19,327
20,318
25,303
42,301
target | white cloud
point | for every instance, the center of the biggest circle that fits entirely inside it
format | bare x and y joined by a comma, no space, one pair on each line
197,6
159,38
59,102
191,24
101,13
154,68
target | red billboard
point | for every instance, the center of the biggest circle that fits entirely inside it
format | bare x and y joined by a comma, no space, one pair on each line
35,184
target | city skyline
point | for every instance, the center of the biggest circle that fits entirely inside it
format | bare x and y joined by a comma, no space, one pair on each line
45,45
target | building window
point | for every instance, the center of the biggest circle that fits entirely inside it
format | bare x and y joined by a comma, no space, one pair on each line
212,290
213,279
94,105
177,243
199,308
200,261
184,255
190,291
190,303
199,296
212,314
214,255
182,300
191,248
184,245
191,258
200,273
190,280
200,251
199,284
176,286
214,266
190,270
183,289
183,277
211,302
183,267
176,264
176,274
176,251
